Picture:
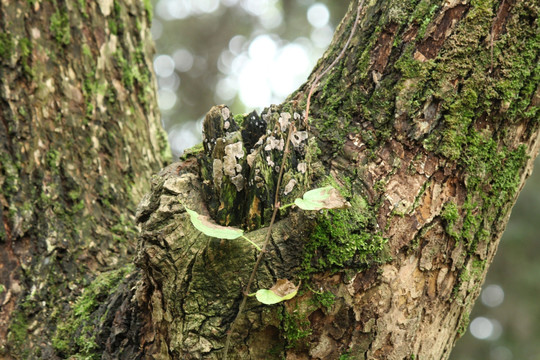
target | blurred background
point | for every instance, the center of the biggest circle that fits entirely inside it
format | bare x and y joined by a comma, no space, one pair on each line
249,54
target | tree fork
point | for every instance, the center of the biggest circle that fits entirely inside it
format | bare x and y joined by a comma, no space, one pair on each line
429,146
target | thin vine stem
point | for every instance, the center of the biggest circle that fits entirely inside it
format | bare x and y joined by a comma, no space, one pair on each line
251,242
277,207
261,253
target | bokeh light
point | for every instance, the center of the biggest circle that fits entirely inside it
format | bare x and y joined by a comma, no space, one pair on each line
492,295
318,15
485,329
246,70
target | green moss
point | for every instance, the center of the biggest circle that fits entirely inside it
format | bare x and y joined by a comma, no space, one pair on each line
128,78
324,299
75,336
86,50
294,326
6,46
25,46
135,71
463,324
343,238
60,27
450,215
192,151
82,8
493,178
116,26
124,229
239,119
53,160
113,27
164,149
425,14
18,330
149,10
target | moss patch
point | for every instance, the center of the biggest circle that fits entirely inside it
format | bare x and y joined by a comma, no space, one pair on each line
6,46
294,326
76,335
60,27
344,238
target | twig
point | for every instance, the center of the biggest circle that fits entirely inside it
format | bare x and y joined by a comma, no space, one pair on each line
266,241
280,177
315,82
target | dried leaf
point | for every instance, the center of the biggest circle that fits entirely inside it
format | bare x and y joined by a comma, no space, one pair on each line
282,290
322,198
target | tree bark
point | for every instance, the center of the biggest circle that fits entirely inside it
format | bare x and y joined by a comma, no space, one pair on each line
428,126
79,137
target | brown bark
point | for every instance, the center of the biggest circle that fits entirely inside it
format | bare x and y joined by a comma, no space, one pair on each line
428,126
79,136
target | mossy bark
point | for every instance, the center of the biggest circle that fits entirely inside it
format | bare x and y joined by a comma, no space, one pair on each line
429,127
79,137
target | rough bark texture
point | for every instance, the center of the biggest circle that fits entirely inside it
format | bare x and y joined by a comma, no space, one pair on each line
79,137
429,126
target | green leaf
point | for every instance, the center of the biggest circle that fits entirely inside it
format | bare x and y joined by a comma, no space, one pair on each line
322,198
207,227
282,290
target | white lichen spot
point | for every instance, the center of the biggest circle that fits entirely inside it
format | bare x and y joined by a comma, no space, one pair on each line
36,34
273,143
218,172
259,181
105,6
229,165
106,51
289,187
266,117
238,168
232,152
284,121
297,137
225,113
235,150
251,158
49,83
238,181
302,167
226,125
269,161
259,142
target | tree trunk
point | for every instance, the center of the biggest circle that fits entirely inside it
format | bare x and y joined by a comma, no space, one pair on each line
428,126
79,137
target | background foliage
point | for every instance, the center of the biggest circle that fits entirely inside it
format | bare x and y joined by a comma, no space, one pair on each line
251,53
